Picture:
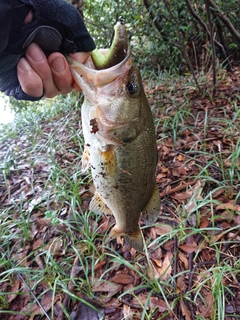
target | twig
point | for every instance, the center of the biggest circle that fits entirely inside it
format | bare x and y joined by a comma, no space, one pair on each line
225,20
183,48
178,188
156,22
175,264
227,245
193,270
204,26
213,47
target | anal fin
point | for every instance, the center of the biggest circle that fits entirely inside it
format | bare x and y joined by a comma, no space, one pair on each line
98,206
151,211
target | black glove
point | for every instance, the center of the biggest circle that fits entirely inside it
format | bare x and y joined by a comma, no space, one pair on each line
56,26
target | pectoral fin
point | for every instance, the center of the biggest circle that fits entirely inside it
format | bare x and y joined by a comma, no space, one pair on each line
151,211
98,206
109,160
85,159
135,239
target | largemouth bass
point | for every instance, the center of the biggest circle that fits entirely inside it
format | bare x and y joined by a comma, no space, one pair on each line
120,143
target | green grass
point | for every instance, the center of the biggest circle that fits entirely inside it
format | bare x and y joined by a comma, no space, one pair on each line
55,246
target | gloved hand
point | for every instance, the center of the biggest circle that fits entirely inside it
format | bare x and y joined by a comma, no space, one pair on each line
56,26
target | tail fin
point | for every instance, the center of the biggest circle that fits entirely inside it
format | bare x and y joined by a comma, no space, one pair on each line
135,239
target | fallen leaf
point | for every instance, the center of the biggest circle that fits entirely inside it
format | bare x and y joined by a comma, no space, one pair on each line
183,258
162,271
86,312
189,247
182,195
122,278
206,309
46,303
109,287
155,302
185,311
14,291
230,206
181,284
160,230
127,312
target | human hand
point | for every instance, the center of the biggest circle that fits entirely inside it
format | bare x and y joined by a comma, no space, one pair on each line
32,63
52,75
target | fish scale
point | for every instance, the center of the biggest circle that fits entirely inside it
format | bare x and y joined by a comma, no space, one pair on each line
120,143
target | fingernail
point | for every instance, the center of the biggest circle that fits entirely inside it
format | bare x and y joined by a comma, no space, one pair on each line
24,65
35,52
58,64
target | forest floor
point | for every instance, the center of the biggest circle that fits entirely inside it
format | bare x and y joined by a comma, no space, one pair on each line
53,260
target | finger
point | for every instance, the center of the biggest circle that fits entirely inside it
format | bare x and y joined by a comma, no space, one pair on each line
61,72
39,63
29,17
29,80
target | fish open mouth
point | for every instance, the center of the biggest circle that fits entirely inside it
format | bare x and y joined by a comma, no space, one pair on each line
104,65
116,53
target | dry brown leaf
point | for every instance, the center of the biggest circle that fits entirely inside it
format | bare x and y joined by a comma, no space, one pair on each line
204,222
70,156
206,309
86,312
14,291
46,302
127,312
155,302
230,206
122,278
182,195
189,247
181,157
237,219
181,284
109,287
160,230
217,237
206,255
162,271
184,259
168,245
156,252
185,311
37,244
56,247
217,193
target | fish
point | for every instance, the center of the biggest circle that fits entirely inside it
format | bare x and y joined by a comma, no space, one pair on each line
120,141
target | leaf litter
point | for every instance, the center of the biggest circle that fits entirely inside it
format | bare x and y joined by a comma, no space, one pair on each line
47,239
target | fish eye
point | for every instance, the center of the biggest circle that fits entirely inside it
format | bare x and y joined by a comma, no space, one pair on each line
132,89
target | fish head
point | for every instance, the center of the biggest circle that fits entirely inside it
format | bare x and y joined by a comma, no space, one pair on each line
113,90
